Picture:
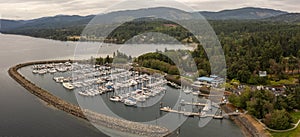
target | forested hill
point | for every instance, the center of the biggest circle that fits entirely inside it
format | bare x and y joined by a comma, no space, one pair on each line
247,13
269,44
67,21
288,18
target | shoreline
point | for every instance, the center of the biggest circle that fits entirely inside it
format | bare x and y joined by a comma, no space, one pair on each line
103,120
245,122
249,126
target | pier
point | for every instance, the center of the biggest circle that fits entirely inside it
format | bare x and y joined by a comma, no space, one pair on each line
208,95
216,105
202,115
193,103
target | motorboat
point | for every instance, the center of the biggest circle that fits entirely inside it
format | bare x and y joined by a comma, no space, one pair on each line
35,71
68,85
115,98
187,91
42,71
53,70
58,79
130,102
83,93
188,114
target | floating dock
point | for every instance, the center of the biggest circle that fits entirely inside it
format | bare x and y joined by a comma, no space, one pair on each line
202,115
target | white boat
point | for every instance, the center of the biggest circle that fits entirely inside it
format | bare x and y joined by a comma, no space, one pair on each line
129,102
58,79
68,85
115,98
42,71
141,98
196,93
83,93
100,81
187,91
109,84
62,69
132,83
52,71
35,71
188,114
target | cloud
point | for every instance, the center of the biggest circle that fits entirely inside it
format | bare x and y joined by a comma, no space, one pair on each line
28,9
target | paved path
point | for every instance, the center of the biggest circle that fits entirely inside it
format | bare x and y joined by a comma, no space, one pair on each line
274,130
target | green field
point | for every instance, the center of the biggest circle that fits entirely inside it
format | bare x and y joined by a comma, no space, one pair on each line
293,133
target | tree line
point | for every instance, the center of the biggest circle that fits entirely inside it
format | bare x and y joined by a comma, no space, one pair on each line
272,108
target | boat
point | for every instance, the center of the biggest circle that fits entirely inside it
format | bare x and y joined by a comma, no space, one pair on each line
42,71
35,71
100,81
115,98
129,102
109,84
188,114
140,98
132,83
68,85
218,117
62,69
52,71
196,93
187,91
83,93
58,79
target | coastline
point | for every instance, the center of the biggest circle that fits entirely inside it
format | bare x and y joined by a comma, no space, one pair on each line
103,120
249,126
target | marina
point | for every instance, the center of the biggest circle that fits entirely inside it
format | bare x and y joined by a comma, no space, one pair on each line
128,87
131,88
133,128
35,112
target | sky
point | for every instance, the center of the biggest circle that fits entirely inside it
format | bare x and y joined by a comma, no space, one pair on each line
30,9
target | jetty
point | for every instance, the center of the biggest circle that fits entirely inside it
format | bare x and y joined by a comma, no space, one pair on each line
103,120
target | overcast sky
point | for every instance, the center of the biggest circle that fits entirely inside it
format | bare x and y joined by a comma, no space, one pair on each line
29,9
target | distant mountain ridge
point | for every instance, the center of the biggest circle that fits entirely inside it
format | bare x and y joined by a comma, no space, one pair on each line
246,13
289,18
68,21
59,21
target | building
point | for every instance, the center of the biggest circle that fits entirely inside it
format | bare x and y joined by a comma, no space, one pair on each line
212,81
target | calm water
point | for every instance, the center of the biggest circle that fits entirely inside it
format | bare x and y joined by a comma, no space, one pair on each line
24,114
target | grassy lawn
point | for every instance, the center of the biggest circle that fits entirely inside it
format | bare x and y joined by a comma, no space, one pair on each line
294,133
289,81
296,116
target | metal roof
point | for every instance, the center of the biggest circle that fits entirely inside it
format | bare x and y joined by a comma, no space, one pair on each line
208,79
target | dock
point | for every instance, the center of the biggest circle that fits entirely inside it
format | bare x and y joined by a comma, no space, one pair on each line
202,115
167,109
193,103
209,95
216,105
